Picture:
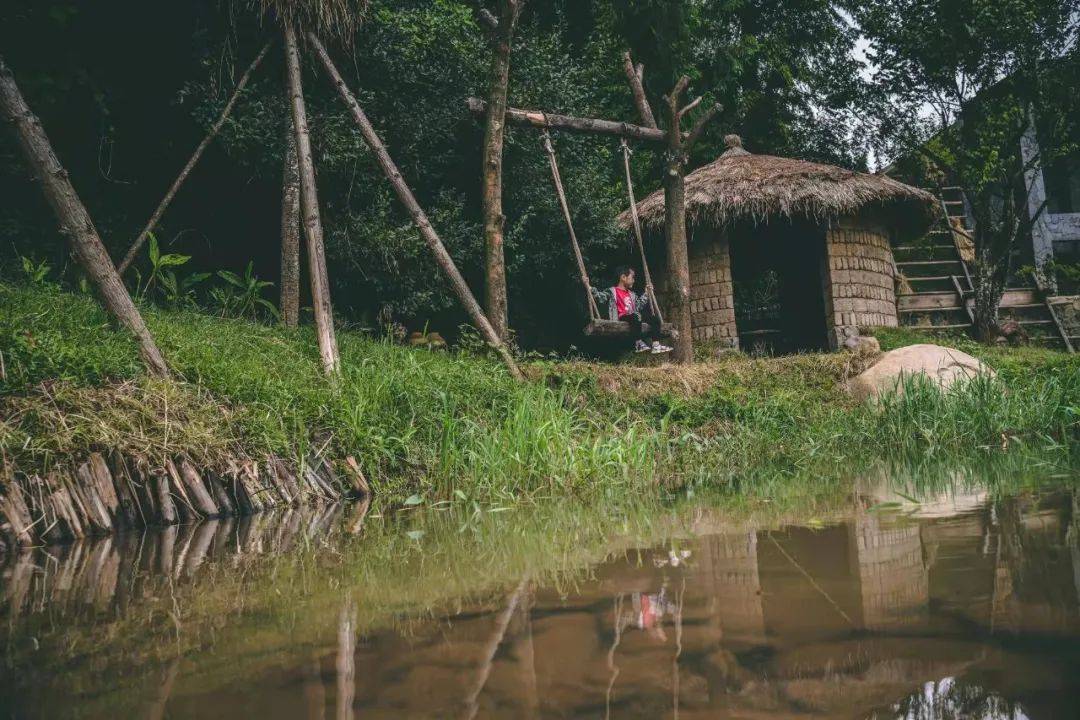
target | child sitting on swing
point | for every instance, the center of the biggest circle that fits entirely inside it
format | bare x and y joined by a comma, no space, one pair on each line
626,305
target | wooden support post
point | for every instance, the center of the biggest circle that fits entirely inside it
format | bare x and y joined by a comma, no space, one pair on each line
290,232
309,204
495,302
129,257
679,145
74,220
678,254
420,219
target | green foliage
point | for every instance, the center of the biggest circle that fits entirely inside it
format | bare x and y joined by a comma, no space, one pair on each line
241,297
35,272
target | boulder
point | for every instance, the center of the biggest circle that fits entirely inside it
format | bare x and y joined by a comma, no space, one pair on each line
943,365
862,345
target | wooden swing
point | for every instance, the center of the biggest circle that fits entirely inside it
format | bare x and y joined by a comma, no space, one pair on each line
598,326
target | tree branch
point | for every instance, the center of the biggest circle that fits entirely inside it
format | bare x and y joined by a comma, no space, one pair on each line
676,93
488,20
699,126
693,104
634,76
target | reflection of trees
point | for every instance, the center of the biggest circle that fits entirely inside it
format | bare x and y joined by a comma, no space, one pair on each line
947,699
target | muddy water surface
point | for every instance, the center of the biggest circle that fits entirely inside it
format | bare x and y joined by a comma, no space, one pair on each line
958,606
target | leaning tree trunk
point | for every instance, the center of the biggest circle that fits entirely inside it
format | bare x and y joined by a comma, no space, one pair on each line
309,204
419,217
74,220
495,302
678,256
129,256
290,232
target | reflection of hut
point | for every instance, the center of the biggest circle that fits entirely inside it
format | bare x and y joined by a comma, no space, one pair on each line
729,564
893,579
790,254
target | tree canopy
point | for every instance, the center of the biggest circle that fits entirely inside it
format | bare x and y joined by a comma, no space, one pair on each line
126,92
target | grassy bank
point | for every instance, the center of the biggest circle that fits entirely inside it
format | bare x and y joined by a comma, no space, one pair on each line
444,425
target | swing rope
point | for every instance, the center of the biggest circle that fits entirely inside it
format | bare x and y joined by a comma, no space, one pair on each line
594,313
637,230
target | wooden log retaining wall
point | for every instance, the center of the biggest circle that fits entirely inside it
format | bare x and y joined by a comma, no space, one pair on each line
109,572
100,495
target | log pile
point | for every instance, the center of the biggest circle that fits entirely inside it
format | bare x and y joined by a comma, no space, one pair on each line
99,496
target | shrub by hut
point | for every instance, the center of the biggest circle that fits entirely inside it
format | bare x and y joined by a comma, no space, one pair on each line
788,255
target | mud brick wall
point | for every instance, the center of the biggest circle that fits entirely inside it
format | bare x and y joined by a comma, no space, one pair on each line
860,288
712,308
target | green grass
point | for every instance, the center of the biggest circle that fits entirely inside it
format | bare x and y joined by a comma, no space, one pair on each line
447,425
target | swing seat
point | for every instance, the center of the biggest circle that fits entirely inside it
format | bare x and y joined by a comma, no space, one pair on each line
620,328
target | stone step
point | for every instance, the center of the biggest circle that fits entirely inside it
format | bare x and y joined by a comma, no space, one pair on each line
928,301
932,284
930,268
1026,312
1019,296
937,317
910,253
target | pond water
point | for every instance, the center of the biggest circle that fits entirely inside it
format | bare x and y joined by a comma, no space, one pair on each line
949,604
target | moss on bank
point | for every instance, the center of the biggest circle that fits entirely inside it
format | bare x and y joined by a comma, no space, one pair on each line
450,424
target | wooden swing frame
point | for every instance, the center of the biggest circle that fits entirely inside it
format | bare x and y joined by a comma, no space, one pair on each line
598,326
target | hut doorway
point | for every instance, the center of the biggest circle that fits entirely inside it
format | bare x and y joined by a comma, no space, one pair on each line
777,270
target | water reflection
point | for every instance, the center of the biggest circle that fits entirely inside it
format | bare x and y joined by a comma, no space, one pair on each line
955,607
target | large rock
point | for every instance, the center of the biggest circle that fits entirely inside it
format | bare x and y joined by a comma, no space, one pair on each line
943,365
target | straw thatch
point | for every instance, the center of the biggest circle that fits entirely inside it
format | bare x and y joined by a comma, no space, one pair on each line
337,19
741,186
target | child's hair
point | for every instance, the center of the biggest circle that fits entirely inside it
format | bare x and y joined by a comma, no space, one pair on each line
621,270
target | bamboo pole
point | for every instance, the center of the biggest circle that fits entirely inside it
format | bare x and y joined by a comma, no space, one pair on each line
309,205
155,218
420,219
74,220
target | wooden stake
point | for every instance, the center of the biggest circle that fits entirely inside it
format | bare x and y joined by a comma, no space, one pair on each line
420,219
74,220
129,256
309,204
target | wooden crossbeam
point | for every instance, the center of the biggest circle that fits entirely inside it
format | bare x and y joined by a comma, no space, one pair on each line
551,121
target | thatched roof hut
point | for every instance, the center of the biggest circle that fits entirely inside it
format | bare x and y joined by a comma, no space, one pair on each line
740,185
801,252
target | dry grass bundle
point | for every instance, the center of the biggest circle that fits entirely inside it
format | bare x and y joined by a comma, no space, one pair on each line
337,19
149,417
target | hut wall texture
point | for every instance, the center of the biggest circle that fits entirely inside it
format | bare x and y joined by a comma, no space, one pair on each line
860,289
712,308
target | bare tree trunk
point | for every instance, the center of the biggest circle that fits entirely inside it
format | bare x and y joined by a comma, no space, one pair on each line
129,257
290,232
678,257
420,219
74,220
309,204
495,302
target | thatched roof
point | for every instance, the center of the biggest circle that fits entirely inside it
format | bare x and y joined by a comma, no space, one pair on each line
337,19
741,186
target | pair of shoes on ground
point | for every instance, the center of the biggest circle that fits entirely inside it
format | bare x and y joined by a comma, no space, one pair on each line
655,349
